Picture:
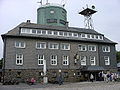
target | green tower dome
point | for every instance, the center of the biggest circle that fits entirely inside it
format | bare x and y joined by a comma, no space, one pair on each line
52,14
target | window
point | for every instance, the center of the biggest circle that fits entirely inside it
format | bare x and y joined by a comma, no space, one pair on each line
19,59
39,32
91,47
40,45
55,33
83,35
65,60
40,59
19,44
92,36
88,36
52,11
53,46
62,22
65,34
101,37
50,32
92,60
34,31
25,30
65,46
18,74
82,47
106,48
107,60
61,33
75,35
51,20
43,32
83,60
97,37
70,34
65,74
54,60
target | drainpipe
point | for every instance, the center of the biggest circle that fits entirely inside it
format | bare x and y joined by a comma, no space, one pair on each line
45,78
4,54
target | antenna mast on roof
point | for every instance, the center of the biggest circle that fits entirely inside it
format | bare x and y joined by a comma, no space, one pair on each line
87,13
46,1
63,2
40,2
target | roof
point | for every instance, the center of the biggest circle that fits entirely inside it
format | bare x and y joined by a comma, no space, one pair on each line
16,32
93,68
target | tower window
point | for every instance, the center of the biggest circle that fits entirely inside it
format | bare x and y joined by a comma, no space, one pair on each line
51,20
62,22
52,11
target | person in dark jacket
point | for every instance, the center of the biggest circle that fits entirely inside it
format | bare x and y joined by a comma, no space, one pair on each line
60,79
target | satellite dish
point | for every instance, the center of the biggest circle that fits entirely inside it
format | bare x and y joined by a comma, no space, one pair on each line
93,7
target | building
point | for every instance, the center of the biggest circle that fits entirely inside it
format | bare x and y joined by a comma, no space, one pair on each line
74,52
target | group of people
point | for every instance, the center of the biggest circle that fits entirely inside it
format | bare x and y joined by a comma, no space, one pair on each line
110,77
105,77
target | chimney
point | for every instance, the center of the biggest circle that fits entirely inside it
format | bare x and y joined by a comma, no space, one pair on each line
28,21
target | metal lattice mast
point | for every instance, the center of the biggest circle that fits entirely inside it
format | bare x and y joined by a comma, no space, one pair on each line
87,13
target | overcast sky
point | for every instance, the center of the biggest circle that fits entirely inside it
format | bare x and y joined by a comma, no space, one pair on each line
106,20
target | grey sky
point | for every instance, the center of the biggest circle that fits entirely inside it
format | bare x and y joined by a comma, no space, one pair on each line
106,20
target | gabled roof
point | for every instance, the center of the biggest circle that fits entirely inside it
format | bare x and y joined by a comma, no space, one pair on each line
16,32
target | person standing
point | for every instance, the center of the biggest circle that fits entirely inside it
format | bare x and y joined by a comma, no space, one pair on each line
91,77
60,79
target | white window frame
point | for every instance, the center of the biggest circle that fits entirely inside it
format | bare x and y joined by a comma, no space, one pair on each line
83,60
101,37
53,60
63,46
74,34
65,60
43,33
39,31
26,30
49,33
41,60
89,36
92,59
19,57
92,36
41,45
53,46
107,60
83,34
20,44
104,48
90,48
35,31
61,32
55,33
82,46
70,34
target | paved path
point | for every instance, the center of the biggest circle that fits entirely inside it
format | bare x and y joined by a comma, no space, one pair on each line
66,86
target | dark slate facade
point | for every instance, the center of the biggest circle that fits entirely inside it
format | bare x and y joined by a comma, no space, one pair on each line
98,51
